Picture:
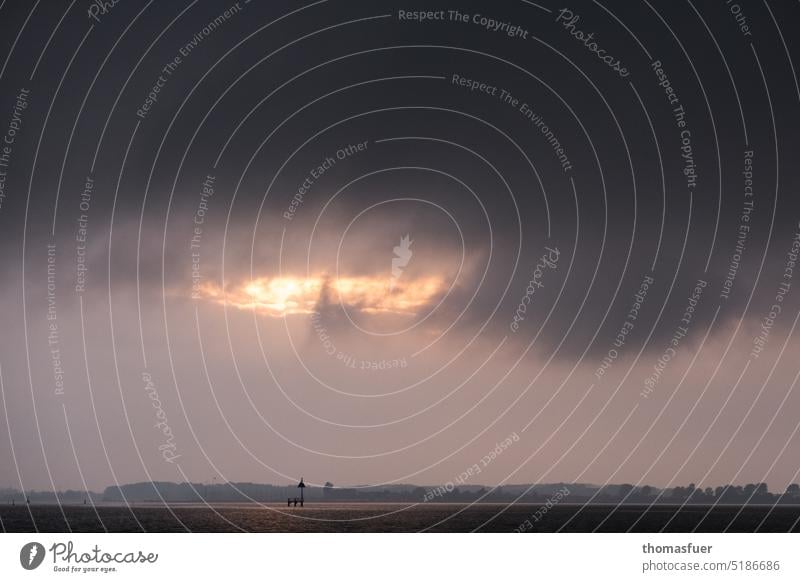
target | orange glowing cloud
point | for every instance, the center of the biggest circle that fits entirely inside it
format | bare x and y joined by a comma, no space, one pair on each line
288,295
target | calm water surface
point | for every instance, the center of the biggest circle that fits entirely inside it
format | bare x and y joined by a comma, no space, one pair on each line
362,517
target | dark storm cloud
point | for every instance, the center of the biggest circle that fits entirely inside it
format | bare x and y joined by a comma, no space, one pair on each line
607,204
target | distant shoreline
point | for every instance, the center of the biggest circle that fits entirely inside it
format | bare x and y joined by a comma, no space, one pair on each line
165,492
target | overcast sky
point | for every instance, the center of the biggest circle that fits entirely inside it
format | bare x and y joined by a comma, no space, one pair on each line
355,243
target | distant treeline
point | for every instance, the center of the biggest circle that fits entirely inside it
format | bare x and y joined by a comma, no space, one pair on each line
755,493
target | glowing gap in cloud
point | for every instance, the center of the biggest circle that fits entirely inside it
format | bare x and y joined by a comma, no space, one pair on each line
279,296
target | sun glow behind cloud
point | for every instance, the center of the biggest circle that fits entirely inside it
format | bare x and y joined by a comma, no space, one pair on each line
279,296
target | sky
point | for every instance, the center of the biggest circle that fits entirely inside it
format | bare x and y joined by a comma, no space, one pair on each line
365,242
